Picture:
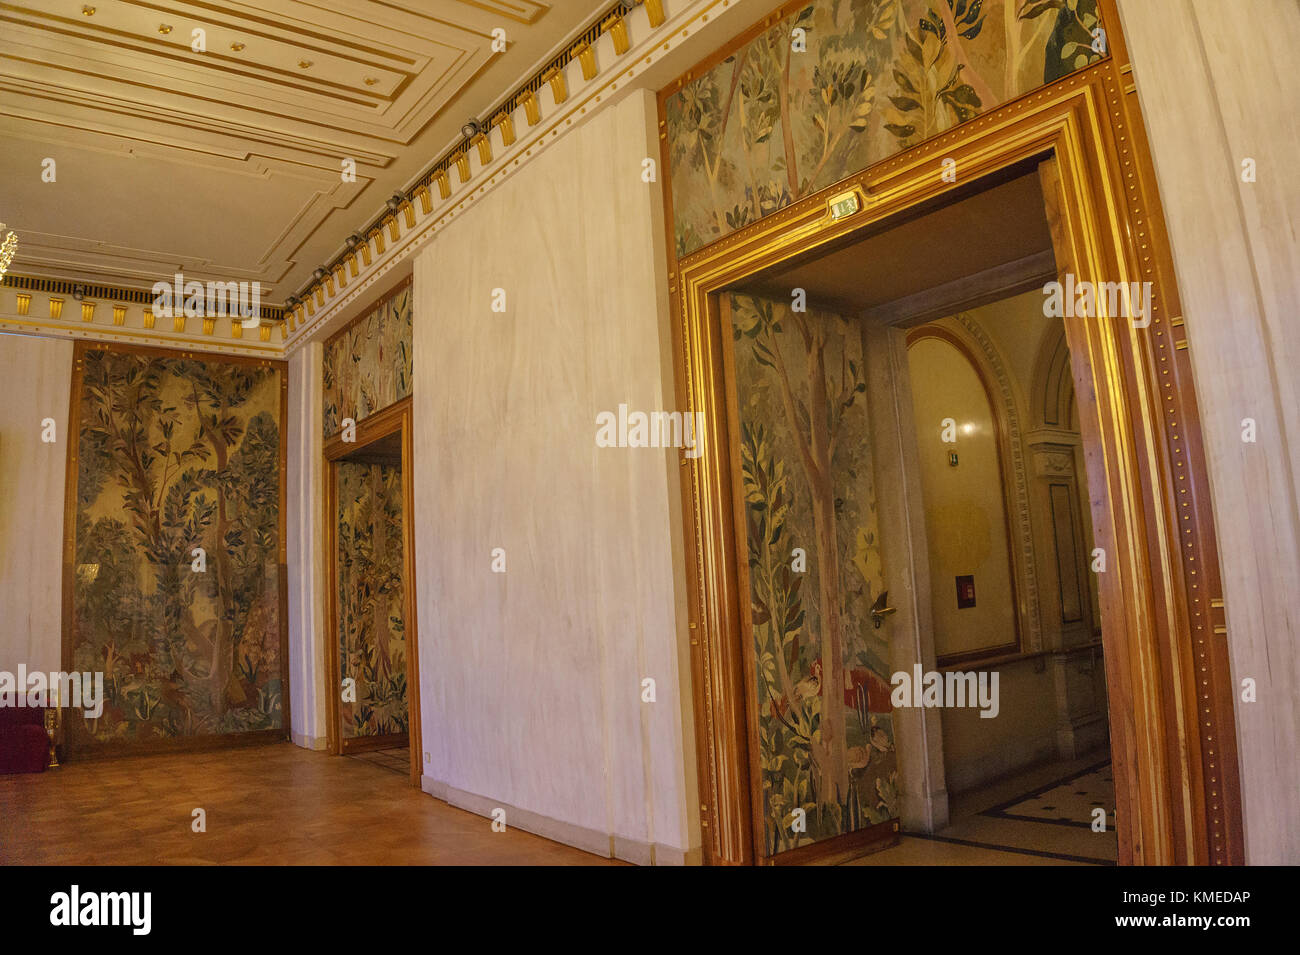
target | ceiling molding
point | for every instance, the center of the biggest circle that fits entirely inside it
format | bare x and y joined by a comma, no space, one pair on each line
151,136
652,36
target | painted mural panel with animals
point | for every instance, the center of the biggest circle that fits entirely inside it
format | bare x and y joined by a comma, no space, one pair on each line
175,594
837,85
825,725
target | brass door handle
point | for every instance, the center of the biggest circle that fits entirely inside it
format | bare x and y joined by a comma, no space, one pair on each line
879,611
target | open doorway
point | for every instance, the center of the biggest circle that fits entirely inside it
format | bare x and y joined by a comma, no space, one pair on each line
917,541
1013,580
372,667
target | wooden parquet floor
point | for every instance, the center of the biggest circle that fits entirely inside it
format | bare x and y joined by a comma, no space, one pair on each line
276,804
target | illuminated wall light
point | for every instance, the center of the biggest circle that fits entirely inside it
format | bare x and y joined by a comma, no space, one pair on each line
148,318
119,314
236,328
87,311
24,303
209,326
178,323
56,308
264,333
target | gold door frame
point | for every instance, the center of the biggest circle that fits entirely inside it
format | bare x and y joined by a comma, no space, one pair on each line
1172,726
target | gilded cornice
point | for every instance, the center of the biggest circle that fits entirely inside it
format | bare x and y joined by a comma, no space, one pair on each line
595,73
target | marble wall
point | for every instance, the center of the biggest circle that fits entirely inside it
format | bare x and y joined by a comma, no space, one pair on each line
305,549
1216,90
532,678
34,382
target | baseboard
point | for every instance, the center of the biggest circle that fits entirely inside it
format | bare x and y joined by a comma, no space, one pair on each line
310,742
580,837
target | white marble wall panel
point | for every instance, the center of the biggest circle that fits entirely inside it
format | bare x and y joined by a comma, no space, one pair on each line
532,679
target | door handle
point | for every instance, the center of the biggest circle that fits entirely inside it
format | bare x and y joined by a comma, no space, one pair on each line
879,611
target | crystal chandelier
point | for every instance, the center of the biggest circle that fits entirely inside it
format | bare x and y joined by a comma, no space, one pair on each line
7,248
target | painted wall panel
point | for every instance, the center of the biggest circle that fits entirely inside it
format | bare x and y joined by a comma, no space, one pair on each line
368,366
176,592
825,721
837,85
372,603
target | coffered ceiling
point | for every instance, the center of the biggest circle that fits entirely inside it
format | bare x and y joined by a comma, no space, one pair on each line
226,162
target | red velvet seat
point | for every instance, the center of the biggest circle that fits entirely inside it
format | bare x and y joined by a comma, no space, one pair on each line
24,747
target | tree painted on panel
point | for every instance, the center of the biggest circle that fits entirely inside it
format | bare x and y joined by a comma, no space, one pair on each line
372,642
825,736
837,85
174,455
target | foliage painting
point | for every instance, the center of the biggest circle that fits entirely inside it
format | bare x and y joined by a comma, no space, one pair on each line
826,737
368,367
371,614
840,84
175,454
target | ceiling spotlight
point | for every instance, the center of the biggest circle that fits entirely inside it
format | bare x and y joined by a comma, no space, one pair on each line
78,291
319,273
471,129
395,201
353,240
290,302
628,5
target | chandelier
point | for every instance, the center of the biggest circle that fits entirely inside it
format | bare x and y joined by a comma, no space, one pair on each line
7,248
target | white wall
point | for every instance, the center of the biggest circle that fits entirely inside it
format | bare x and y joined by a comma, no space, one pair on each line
1216,88
305,547
35,377
531,679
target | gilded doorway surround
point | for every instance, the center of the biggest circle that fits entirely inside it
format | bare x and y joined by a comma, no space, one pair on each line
1172,727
